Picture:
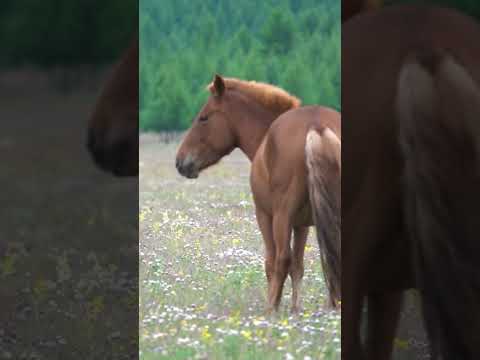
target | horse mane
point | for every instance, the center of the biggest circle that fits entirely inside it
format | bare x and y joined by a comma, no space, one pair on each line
270,96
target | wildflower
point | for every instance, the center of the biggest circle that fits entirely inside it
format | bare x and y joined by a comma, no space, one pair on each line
201,307
205,334
401,344
166,219
95,307
40,288
8,265
156,226
182,341
234,318
247,334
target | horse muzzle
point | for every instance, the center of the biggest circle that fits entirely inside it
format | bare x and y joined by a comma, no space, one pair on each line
186,167
117,158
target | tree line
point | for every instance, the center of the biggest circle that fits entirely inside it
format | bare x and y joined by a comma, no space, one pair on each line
294,44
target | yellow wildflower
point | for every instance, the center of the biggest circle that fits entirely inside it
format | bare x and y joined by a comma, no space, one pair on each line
401,344
40,288
247,334
205,334
95,307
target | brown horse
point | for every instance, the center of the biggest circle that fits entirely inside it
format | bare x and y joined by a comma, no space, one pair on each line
113,127
411,97
241,114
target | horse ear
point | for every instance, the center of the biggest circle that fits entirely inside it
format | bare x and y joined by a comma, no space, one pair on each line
218,87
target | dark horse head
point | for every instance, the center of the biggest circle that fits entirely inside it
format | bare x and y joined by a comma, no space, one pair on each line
112,137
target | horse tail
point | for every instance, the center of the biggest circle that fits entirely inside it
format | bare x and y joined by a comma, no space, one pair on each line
438,109
323,159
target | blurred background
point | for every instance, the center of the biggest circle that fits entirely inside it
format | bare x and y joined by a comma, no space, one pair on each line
65,42
68,231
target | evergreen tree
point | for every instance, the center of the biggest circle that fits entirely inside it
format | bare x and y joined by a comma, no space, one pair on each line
294,44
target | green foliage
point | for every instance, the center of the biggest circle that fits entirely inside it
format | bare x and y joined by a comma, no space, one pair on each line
279,32
60,32
294,44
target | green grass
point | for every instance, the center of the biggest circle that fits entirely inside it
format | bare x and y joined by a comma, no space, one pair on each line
202,283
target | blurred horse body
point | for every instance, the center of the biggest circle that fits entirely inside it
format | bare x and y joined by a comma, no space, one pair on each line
113,126
268,125
351,8
410,218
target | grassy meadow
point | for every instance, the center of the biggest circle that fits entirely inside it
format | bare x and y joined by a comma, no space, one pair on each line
202,283
68,234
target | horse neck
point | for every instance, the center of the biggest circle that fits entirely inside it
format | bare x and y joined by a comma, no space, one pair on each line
251,125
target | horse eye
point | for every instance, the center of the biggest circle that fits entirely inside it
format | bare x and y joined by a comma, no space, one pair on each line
203,118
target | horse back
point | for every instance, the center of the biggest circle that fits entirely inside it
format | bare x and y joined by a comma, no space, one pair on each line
370,70
285,141
279,167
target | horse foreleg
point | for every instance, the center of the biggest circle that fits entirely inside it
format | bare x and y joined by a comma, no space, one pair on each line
282,232
296,268
383,314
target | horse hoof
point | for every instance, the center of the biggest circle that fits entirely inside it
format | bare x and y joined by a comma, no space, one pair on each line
295,310
271,312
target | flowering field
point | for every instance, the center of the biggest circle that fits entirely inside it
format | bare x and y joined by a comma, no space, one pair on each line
68,235
202,284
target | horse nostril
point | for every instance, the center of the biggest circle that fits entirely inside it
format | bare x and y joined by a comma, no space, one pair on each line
177,164
121,148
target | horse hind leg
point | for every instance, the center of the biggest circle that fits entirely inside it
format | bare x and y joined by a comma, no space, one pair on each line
300,235
383,314
352,348
282,231
265,224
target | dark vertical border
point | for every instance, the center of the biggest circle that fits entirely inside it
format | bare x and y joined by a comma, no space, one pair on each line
410,104
68,228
